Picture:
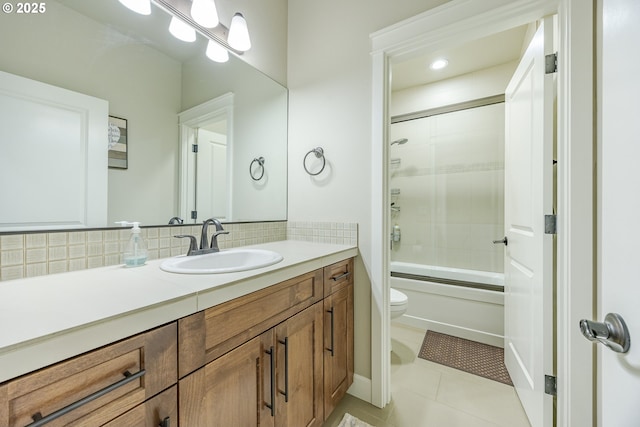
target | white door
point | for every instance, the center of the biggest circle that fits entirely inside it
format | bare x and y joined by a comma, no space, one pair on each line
53,152
529,251
211,179
618,376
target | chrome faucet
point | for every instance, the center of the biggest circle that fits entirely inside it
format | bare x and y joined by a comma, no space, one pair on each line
214,238
176,220
204,241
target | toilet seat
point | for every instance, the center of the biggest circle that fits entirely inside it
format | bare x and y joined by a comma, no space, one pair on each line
398,298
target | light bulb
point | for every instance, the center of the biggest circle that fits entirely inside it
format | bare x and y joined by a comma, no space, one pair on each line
204,13
239,33
216,52
143,7
439,64
181,30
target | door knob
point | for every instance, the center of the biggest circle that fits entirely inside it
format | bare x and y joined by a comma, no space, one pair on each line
503,241
612,332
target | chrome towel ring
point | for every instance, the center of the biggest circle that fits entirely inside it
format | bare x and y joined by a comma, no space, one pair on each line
260,161
319,153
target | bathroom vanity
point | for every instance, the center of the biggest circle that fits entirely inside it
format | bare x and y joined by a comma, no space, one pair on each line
271,346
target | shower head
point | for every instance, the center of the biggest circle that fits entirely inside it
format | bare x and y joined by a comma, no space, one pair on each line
400,141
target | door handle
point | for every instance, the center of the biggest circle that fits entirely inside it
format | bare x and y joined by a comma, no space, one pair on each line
613,332
501,241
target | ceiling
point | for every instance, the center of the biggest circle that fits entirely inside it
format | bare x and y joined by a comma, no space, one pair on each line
493,50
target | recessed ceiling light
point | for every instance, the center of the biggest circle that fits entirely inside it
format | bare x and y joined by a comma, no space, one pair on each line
439,64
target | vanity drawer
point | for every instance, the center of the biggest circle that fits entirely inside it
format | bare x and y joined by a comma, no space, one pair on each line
159,411
338,276
96,387
208,334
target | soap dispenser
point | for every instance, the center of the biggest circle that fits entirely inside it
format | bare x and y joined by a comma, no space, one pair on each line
135,253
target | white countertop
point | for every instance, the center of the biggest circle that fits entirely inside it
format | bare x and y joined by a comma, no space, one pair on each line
47,319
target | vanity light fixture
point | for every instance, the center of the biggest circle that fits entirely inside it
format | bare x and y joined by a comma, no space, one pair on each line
143,7
204,13
439,64
181,30
239,33
201,16
216,52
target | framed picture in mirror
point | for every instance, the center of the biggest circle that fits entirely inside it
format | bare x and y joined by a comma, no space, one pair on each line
118,143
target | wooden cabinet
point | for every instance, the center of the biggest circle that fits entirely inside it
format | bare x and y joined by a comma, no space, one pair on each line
299,370
274,379
229,390
338,333
279,357
94,388
159,411
208,334
337,276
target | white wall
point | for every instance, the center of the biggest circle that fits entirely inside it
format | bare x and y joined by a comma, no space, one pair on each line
329,80
267,22
479,84
257,101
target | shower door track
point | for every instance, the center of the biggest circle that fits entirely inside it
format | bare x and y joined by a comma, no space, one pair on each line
474,103
453,282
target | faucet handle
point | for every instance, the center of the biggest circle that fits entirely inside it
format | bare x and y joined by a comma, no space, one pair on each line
214,239
193,242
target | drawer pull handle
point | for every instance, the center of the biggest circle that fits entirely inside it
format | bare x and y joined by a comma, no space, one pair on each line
40,421
165,423
286,368
332,334
340,277
272,406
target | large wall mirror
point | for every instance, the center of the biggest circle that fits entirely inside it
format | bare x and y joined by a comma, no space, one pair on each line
148,78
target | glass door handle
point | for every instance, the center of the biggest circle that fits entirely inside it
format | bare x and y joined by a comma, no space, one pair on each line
501,241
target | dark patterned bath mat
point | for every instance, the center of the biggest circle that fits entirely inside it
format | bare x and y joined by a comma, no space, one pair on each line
473,357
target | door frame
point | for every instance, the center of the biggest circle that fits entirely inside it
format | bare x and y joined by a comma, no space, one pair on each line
189,121
464,20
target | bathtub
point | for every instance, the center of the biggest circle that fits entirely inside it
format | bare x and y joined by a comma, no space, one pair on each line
464,303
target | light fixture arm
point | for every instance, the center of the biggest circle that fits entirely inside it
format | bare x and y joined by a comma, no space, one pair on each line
182,10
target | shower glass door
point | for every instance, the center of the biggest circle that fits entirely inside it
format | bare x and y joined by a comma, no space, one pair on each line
447,189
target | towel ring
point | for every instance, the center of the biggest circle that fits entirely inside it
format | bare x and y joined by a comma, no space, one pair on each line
319,153
260,161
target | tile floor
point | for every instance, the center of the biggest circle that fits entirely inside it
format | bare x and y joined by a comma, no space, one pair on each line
425,394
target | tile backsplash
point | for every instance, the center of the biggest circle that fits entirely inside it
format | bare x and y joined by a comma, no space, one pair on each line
38,254
323,232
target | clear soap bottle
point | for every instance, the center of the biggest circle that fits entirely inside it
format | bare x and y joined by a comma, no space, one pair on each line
135,253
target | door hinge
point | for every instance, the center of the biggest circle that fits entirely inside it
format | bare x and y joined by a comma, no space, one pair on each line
550,226
550,385
551,63
194,214
194,148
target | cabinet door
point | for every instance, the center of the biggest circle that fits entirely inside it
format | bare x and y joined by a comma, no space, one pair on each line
338,347
229,390
299,369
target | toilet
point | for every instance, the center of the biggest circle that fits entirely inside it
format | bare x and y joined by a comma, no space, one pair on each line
399,302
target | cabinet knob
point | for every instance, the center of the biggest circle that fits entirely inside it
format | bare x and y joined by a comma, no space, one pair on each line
165,423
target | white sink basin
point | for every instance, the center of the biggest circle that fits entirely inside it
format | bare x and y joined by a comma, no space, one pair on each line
226,261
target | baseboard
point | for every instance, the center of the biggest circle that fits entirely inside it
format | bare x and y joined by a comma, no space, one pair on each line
449,329
361,388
